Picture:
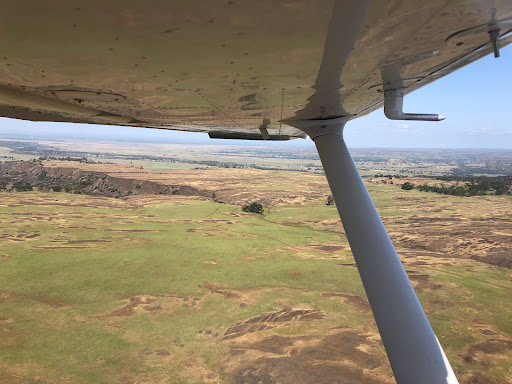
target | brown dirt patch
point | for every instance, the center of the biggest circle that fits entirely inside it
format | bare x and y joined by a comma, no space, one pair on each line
457,236
222,291
233,214
344,357
136,230
275,344
326,248
347,265
479,378
217,221
162,352
422,282
442,303
296,274
210,286
127,310
19,236
161,304
100,241
271,320
486,331
352,300
495,347
44,247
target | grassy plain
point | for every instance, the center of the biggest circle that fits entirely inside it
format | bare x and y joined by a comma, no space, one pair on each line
181,289
161,156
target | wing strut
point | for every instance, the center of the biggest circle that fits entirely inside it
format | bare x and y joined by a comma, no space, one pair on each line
411,345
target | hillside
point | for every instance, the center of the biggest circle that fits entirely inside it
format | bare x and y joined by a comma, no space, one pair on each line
163,288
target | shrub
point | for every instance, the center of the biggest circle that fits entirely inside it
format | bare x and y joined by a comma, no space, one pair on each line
22,186
253,207
407,186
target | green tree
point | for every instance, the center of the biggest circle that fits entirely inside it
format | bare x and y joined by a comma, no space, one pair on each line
253,207
22,186
407,186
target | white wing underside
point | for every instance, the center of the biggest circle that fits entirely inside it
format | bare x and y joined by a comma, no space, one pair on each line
229,68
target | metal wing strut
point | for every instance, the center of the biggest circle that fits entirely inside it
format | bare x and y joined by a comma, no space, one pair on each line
411,345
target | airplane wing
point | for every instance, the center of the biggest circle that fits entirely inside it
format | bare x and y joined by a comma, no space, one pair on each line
235,69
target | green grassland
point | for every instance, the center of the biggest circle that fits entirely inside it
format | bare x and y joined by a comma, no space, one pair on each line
99,290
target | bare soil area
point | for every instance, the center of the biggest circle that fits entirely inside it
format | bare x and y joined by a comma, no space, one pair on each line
341,356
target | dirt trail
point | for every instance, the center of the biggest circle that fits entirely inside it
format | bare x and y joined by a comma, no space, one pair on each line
208,215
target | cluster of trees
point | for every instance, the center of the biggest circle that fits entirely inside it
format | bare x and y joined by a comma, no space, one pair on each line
20,182
55,188
45,183
22,186
254,208
474,186
389,176
25,186
68,158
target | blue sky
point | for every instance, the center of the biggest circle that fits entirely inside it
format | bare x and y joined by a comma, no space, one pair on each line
477,101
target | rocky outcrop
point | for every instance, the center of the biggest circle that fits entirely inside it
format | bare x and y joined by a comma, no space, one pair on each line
78,180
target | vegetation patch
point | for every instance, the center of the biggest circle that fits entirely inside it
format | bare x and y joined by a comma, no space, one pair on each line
254,207
267,298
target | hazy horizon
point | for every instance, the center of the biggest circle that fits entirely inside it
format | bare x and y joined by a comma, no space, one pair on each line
106,134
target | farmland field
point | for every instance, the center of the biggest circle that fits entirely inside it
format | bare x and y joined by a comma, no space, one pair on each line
184,289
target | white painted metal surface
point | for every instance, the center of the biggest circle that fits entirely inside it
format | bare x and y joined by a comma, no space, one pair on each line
412,347
394,104
224,67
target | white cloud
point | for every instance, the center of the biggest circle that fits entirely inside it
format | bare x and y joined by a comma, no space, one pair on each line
401,128
489,132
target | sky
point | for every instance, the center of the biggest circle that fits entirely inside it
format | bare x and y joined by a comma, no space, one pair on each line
476,100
